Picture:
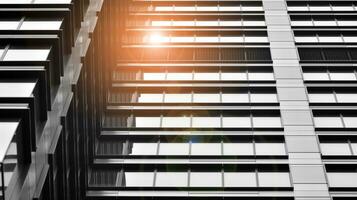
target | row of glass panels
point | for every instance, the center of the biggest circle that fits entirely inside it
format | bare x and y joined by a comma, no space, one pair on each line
207,149
207,122
325,39
198,8
24,54
335,122
30,25
157,38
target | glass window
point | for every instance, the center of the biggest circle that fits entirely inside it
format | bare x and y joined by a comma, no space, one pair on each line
324,122
206,179
206,122
342,8
233,76
174,148
346,98
256,39
253,23
229,8
270,149
301,23
325,23
347,23
322,98
138,148
184,8
316,76
207,23
240,179
330,39
207,8
230,23
260,76
207,39
14,1
263,98
306,39
350,39
41,25
171,179
350,122
9,25
52,1
147,121
335,149
206,149
298,8
231,39
240,149
235,98
338,179
342,76
320,8
179,76
150,98
206,98
179,39
178,98
178,122
138,179
11,89
274,179
268,122
252,8
27,55
153,76
236,122
206,76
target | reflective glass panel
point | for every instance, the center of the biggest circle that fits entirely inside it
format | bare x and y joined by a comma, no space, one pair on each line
274,179
335,149
325,122
270,149
138,179
236,122
205,179
238,149
171,179
240,179
174,149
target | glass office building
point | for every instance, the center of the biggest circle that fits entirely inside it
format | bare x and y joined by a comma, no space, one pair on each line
186,99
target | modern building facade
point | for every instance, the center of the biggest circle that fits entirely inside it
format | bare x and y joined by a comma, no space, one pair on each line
187,99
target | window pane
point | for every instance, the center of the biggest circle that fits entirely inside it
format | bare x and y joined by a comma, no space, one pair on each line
350,122
206,76
206,149
154,76
150,98
171,179
9,25
260,76
236,122
330,39
205,179
142,148
270,149
41,25
322,98
138,179
263,98
301,23
179,76
26,55
147,121
316,76
242,179
233,76
174,149
269,122
306,39
336,179
274,179
178,98
206,122
342,76
324,23
324,122
347,98
206,98
335,149
235,98
354,148
238,149
179,122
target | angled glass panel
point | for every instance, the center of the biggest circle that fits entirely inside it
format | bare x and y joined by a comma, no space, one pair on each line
346,98
138,179
179,76
174,148
268,122
147,121
206,179
260,76
316,76
236,122
274,179
140,148
238,149
350,122
206,76
270,149
9,25
27,55
335,149
154,76
206,122
178,98
233,76
235,98
150,98
11,89
322,98
206,98
240,179
206,149
342,179
328,122
263,98
176,122
171,179
343,76
41,25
